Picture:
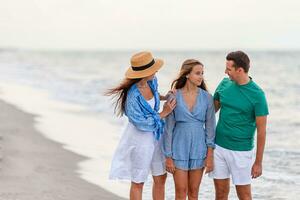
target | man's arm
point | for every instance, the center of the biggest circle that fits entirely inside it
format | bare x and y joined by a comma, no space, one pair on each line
217,105
261,124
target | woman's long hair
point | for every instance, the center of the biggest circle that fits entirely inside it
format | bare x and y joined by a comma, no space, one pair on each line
120,94
186,68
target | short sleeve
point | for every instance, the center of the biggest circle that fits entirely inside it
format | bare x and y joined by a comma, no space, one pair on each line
219,89
261,105
216,95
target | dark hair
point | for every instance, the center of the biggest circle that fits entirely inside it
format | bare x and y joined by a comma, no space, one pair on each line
120,93
186,68
240,59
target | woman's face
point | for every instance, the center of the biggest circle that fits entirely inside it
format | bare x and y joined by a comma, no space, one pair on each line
148,78
196,75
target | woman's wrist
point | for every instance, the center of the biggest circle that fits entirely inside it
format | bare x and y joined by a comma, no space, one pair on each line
162,97
210,152
162,114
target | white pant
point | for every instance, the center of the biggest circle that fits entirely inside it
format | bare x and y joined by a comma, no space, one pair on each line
238,164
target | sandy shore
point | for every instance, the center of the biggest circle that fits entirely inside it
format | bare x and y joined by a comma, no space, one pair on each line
35,168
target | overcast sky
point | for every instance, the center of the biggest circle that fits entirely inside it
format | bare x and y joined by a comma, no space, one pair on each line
153,24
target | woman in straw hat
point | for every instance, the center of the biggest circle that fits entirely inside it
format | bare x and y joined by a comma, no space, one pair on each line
139,152
188,141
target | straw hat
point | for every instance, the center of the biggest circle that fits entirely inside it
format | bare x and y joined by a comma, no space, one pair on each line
142,65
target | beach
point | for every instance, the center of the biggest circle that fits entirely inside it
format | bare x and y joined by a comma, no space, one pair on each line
34,167
63,147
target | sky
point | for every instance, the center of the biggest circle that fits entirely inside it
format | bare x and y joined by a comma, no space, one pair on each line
155,24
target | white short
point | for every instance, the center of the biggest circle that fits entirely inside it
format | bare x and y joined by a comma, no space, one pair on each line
238,164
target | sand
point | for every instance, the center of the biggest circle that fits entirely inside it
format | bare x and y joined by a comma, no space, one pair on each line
33,167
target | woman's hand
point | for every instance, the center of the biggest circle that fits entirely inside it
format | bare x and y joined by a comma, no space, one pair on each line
170,167
168,108
170,94
209,161
209,165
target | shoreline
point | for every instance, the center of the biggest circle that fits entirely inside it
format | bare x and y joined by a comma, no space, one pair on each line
34,167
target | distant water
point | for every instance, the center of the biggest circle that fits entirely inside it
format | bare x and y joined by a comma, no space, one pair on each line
82,77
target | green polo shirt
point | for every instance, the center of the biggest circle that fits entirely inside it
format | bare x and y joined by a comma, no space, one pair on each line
240,105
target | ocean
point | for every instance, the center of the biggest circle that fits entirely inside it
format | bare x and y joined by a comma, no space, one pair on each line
65,91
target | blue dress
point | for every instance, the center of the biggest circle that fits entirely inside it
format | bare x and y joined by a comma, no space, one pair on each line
188,134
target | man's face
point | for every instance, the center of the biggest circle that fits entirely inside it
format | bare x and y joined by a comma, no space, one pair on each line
230,70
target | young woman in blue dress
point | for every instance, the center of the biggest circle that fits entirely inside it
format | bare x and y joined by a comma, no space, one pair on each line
188,139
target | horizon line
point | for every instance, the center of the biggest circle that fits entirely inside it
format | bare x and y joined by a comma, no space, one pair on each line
145,49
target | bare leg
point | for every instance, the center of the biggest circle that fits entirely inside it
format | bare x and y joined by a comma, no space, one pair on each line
136,191
181,184
222,188
194,180
158,188
244,192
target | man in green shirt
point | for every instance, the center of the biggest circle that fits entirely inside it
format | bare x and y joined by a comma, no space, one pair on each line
243,109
